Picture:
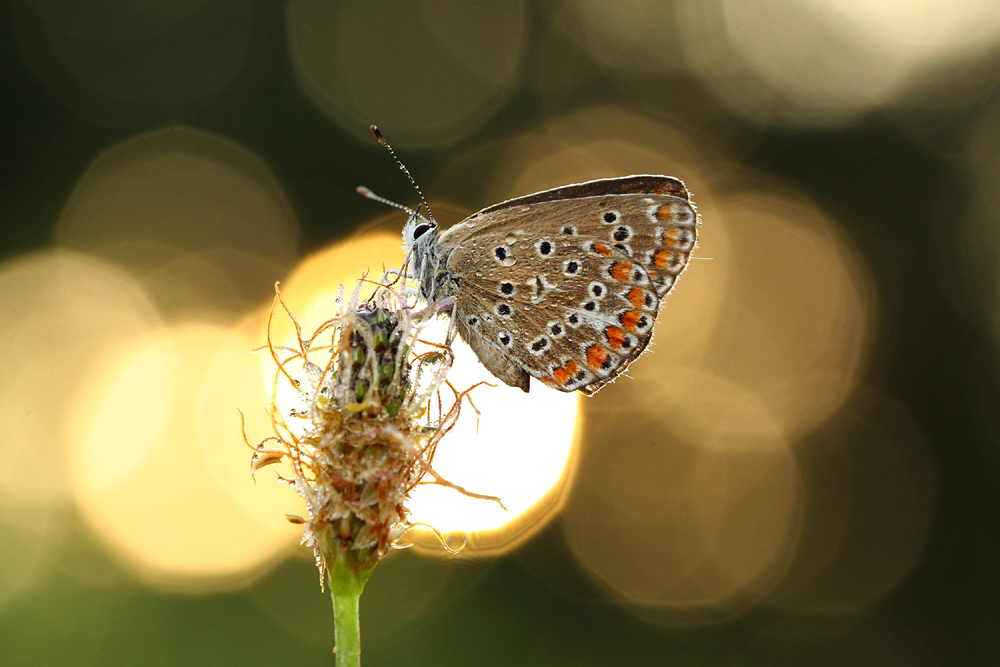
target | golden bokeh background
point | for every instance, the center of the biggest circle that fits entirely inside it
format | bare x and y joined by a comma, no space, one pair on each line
802,469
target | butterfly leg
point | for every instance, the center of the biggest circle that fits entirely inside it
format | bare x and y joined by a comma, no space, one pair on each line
394,274
451,330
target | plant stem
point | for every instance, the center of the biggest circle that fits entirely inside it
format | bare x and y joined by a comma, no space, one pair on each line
346,586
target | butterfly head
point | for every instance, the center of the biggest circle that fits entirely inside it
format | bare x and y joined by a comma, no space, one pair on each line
419,236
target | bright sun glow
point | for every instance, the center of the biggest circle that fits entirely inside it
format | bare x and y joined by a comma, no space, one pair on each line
520,452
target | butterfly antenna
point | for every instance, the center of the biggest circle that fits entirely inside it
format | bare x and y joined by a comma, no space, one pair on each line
365,192
381,140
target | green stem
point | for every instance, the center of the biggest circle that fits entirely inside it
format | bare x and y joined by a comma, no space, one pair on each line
346,585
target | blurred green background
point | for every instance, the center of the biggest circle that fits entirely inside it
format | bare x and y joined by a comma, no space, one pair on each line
802,472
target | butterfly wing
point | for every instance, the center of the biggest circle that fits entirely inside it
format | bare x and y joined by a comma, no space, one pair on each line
567,289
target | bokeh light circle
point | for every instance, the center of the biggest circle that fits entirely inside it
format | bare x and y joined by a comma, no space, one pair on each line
797,62
62,310
824,62
138,470
796,327
872,490
630,35
603,142
687,495
200,220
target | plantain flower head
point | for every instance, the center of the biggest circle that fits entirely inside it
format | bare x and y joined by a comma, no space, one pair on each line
373,405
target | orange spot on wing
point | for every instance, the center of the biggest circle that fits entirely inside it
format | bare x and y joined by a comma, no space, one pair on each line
621,270
596,356
616,336
637,296
662,258
674,237
663,213
631,319
548,380
601,249
564,373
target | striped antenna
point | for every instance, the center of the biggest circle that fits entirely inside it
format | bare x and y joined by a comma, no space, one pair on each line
381,140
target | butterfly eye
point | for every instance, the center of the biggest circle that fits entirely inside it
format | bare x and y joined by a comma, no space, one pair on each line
420,231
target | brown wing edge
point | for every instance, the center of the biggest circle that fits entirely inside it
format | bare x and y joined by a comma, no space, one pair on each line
629,185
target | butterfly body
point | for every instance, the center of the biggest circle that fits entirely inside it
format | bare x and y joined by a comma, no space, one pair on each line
563,285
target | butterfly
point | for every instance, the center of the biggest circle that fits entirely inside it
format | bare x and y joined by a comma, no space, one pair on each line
563,285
